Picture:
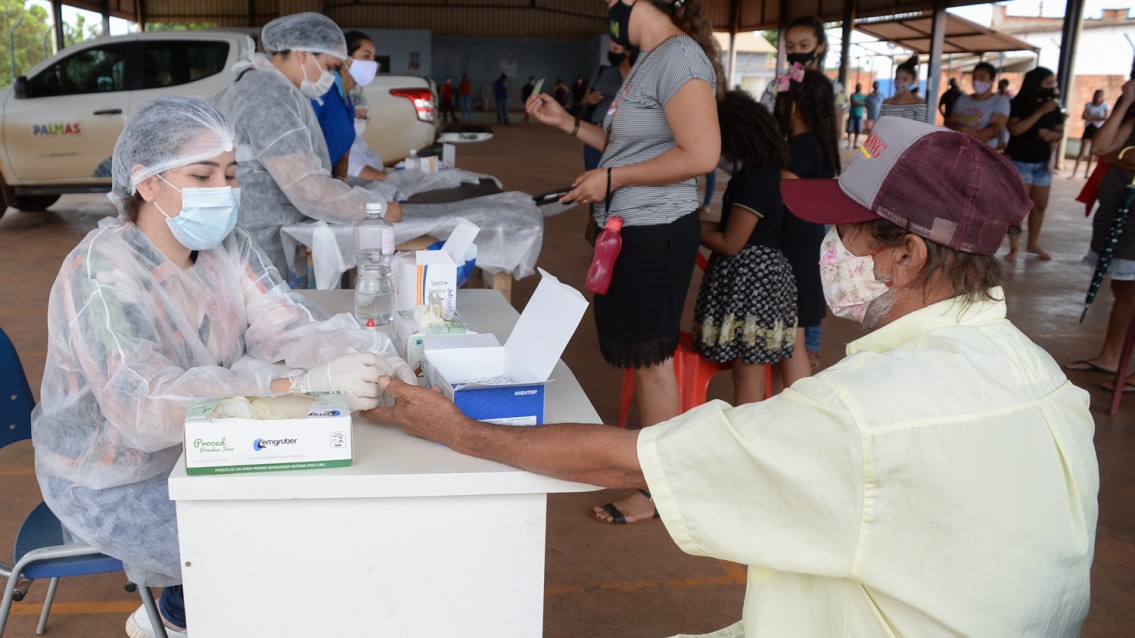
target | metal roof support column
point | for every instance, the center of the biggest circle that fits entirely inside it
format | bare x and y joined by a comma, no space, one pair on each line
849,7
937,44
734,26
57,18
142,17
104,9
1069,40
782,20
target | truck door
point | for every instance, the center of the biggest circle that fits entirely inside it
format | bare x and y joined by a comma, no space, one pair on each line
75,109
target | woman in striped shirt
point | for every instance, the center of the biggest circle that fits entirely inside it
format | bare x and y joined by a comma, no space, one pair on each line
660,133
905,103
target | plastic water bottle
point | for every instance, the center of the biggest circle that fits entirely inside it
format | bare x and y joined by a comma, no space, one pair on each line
374,287
607,247
368,234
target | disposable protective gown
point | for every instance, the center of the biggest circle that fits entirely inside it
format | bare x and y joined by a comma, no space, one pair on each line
282,160
131,339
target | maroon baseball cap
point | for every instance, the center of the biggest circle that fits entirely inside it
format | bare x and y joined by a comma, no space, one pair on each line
936,183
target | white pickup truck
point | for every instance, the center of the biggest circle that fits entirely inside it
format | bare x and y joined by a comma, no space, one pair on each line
59,123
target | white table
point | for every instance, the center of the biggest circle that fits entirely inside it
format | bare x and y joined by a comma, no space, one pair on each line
413,540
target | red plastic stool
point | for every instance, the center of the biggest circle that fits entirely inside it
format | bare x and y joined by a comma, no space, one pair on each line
1121,371
694,373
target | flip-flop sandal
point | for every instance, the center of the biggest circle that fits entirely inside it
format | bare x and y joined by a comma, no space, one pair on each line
1128,387
617,517
1083,365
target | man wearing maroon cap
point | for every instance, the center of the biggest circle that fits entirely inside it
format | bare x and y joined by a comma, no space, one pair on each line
940,480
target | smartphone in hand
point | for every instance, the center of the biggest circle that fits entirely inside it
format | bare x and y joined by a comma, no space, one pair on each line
552,196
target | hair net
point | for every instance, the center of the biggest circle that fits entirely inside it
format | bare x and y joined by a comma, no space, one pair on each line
313,32
165,133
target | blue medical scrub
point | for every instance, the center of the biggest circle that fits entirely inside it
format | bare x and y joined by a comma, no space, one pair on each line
336,114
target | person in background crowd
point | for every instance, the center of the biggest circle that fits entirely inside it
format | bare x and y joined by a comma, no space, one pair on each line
984,115
660,133
465,97
805,113
855,119
1095,114
526,92
946,102
746,309
1036,122
940,480
284,168
805,44
446,94
362,161
500,94
1115,136
905,103
874,103
599,96
561,93
578,90
1003,88
167,303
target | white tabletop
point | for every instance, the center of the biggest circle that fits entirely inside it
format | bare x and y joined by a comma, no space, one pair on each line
389,462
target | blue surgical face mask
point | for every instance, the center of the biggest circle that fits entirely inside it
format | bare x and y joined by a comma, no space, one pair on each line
207,215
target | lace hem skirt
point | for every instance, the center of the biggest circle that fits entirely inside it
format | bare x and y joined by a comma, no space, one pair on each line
746,308
638,319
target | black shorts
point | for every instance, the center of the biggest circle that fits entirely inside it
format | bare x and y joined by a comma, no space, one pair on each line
1090,131
638,319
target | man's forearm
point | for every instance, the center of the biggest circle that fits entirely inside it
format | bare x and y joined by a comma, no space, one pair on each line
597,454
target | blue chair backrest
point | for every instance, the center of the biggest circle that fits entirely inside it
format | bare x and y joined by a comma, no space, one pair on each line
16,401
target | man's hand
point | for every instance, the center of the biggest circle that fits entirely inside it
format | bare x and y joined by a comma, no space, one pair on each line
421,412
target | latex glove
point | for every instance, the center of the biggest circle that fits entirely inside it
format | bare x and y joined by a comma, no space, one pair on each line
355,375
393,366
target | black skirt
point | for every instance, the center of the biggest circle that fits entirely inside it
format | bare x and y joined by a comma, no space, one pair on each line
638,319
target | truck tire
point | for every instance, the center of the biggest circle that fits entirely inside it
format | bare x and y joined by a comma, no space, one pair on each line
33,203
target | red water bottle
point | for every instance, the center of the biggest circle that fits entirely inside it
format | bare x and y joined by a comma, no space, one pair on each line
607,247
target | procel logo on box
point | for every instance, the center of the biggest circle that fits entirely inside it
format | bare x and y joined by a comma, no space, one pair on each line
205,447
260,444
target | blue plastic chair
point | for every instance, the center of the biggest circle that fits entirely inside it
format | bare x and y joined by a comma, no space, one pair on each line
40,549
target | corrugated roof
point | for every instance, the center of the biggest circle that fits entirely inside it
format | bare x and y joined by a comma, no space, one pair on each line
962,36
552,18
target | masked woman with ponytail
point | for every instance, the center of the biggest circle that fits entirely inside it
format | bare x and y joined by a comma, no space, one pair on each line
659,133
905,102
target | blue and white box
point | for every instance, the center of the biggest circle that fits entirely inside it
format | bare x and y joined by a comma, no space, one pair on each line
506,384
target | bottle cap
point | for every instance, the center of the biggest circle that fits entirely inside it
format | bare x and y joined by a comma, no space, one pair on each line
614,223
370,322
376,208
388,241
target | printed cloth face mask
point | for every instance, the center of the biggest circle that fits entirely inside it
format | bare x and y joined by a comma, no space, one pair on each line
207,215
312,90
848,280
619,22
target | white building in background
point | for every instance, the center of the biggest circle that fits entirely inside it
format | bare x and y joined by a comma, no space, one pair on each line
754,65
1106,45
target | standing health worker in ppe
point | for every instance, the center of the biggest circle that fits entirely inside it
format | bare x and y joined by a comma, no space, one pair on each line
284,166
163,304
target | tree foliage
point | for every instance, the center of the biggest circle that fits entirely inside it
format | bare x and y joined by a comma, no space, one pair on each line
30,21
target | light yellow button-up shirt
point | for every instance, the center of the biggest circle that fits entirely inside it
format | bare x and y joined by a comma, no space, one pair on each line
940,480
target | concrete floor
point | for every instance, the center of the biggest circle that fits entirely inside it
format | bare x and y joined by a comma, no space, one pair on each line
616,581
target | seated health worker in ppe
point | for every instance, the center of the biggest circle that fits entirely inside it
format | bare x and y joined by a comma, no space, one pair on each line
165,303
284,166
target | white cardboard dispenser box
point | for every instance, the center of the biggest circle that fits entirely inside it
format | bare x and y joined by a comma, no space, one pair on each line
429,277
505,384
233,435
410,336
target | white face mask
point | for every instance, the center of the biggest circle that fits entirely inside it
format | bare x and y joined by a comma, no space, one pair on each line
363,71
313,90
848,280
902,87
980,87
